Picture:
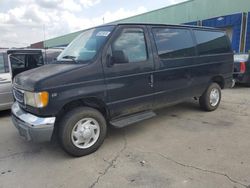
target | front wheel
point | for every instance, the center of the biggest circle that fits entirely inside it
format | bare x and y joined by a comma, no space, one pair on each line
82,131
210,99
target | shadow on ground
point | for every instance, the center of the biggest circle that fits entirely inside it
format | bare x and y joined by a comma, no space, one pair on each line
5,113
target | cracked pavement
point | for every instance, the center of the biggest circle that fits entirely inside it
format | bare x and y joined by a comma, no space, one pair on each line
181,147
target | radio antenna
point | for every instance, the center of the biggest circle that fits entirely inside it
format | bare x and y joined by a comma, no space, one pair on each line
44,38
44,44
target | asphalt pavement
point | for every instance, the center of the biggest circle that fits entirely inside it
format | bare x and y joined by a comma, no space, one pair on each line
181,147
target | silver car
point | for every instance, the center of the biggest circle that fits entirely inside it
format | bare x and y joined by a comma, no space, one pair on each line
15,61
6,98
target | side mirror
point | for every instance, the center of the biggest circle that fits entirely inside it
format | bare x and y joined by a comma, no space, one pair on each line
119,57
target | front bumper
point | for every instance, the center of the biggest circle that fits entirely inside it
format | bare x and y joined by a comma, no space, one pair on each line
31,127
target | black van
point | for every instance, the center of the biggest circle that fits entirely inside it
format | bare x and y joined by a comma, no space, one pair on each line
116,75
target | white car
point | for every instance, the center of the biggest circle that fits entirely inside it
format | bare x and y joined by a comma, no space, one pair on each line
6,98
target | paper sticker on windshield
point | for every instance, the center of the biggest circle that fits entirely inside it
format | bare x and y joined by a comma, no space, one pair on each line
103,33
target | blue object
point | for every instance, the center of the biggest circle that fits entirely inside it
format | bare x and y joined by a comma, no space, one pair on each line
233,21
247,46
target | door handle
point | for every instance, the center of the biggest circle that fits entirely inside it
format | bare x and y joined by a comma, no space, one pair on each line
151,80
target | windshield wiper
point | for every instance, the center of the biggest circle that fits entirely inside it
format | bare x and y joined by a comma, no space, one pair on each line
73,58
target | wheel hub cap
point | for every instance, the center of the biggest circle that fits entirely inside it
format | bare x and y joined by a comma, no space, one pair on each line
214,97
85,133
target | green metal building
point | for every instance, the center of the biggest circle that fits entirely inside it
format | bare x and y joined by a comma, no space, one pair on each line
231,15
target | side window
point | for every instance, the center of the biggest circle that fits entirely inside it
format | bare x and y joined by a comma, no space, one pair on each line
211,42
34,60
6,62
40,60
173,43
132,42
2,69
17,61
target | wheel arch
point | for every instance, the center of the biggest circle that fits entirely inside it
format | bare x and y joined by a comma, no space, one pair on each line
219,80
92,102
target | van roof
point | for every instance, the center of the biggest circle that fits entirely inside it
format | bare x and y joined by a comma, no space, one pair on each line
172,25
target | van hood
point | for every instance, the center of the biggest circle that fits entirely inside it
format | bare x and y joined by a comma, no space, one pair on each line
46,76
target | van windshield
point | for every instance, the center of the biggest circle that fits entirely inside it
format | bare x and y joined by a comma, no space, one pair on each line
84,47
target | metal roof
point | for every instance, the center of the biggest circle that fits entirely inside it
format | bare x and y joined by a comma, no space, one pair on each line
188,11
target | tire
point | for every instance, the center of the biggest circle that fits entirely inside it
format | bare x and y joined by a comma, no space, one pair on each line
79,125
205,102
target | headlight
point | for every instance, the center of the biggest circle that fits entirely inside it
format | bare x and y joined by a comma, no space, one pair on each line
38,100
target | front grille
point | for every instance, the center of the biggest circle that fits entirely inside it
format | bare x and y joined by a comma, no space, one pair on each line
19,96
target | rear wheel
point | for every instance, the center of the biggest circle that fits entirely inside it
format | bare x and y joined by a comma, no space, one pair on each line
210,99
82,131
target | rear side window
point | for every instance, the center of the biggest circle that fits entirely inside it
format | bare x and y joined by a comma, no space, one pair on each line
132,42
2,69
211,42
174,43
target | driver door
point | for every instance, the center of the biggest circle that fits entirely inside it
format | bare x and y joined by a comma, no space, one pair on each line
129,83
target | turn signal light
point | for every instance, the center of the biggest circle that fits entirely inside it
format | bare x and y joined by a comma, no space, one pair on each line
43,98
